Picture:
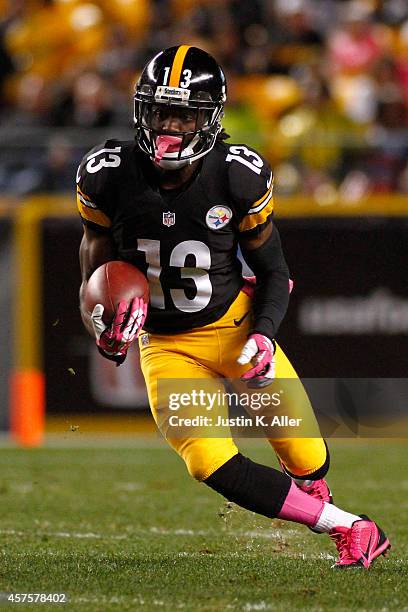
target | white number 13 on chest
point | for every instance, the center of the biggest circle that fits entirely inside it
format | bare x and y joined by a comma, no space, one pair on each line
178,258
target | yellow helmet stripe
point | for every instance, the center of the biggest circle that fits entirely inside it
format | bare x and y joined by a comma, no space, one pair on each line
177,66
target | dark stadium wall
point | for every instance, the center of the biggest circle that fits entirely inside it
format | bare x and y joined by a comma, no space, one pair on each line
348,313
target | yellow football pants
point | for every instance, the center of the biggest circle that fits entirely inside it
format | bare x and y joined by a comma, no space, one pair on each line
211,352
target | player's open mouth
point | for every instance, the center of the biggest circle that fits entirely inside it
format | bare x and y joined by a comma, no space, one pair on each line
166,144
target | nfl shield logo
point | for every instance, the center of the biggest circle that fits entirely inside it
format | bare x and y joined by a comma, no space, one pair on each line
169,218
144,339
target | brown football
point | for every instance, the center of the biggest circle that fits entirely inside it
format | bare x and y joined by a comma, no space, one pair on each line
113,282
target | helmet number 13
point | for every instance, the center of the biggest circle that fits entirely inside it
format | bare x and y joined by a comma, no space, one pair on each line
178,257
186,74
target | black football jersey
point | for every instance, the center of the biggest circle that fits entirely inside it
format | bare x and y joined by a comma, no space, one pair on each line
185,241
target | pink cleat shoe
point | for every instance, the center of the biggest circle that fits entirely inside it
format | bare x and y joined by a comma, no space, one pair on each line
359,545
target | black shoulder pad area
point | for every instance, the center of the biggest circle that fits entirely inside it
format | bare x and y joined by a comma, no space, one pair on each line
98,174
95,172
250,176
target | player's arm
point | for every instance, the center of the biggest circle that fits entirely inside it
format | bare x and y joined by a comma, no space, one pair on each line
93,197
95,200
95,250
251,186
263,253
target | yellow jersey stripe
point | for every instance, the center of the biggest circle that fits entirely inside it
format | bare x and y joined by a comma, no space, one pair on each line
177,66
259,203
86,201
93,215
251,221
260,206
83,194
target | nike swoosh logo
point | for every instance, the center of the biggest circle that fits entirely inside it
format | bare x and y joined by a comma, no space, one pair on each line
238,322
366,554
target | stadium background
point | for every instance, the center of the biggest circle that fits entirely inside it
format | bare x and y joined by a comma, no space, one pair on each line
320,87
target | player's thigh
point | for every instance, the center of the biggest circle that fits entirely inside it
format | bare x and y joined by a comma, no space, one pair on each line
202,448
168,372
295,401
304,453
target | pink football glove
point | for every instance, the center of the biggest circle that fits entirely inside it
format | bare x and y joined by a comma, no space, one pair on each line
113,341
258,350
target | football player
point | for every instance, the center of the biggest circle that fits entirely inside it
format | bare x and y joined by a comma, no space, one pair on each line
178,202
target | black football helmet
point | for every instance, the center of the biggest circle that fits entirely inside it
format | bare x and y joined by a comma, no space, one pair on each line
179,78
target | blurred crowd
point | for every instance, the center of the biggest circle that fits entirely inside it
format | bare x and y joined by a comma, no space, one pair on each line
319,86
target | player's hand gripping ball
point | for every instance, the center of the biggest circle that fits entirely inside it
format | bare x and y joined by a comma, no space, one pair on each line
116,296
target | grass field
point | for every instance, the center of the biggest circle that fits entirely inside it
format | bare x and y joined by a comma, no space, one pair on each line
122,527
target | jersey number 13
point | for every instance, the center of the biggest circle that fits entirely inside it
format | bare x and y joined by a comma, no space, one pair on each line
178,257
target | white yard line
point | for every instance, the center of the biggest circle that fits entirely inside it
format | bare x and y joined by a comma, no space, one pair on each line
159,531
64,534
122,600
273,534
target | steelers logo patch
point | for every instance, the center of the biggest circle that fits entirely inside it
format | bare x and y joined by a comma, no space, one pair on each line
218,216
